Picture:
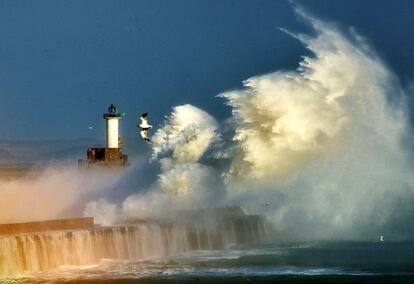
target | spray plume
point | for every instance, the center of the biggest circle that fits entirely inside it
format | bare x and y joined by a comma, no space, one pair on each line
179,145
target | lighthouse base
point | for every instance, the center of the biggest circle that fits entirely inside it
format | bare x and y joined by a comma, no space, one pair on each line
104,157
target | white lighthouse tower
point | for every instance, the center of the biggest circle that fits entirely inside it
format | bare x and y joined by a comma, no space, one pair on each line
112,127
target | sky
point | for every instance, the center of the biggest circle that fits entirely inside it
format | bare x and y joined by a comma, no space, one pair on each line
63,62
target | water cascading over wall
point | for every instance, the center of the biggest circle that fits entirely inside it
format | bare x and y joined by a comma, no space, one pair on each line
48,250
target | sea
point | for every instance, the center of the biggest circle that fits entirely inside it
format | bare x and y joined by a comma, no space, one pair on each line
309,262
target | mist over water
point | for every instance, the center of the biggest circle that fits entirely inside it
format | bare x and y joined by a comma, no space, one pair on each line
55,191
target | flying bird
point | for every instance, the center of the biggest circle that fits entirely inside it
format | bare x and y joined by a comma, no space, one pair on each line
144,126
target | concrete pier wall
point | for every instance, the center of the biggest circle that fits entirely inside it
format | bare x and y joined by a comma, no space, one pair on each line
49,225
44,251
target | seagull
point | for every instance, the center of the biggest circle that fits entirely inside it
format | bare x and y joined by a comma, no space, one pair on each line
144,126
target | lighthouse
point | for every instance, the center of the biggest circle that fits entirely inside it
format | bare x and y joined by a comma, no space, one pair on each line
112,117
112,154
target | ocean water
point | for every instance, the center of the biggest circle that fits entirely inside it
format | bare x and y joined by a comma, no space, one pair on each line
316,262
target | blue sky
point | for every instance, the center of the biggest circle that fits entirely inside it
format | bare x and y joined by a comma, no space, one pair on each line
63,62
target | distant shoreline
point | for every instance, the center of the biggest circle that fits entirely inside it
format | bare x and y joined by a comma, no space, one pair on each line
12,171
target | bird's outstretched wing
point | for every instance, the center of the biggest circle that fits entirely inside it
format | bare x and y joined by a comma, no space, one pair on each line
144,135
144,126
144,122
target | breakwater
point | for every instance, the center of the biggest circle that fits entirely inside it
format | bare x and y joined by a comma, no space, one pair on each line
42,251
